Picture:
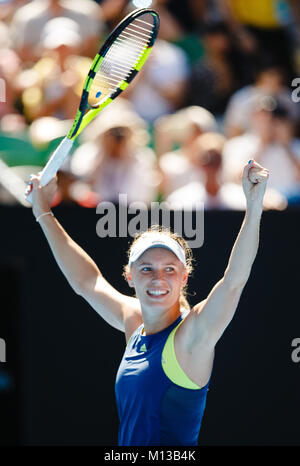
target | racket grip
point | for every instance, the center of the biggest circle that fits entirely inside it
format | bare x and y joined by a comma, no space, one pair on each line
54,163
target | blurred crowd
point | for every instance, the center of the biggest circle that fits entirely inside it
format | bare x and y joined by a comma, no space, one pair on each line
215,92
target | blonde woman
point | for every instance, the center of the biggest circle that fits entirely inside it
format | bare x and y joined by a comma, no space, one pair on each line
163,378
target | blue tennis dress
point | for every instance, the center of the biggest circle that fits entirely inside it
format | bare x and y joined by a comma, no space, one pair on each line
157,403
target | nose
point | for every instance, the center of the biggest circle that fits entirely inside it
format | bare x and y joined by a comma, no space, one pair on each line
157,275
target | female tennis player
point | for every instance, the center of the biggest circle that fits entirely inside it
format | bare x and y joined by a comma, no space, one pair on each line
163,378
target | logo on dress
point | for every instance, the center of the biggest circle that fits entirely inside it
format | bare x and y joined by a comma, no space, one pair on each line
143,348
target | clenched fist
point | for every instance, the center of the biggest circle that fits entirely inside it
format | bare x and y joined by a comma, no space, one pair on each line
254,181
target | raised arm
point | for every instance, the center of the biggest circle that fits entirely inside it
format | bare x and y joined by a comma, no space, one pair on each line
208,319
120,311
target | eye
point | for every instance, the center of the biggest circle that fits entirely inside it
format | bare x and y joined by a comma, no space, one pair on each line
146,268
170,269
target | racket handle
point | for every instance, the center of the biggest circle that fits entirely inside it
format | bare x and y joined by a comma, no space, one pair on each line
54,163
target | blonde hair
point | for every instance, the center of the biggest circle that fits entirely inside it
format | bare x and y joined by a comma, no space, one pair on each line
184,304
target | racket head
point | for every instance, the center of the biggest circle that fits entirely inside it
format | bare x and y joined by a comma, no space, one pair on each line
121,57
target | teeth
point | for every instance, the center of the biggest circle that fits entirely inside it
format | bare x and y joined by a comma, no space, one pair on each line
157,293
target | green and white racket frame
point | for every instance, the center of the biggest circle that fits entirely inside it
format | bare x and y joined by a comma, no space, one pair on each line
119,60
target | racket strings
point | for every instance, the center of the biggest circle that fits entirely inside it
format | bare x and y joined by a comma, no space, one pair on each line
134,37
132,53
120,60
139,27
139,20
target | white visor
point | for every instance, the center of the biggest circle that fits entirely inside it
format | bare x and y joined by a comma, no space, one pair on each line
154,240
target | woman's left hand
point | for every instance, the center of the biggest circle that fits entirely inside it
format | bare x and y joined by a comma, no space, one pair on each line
254,181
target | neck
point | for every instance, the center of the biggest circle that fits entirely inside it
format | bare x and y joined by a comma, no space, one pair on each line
155,322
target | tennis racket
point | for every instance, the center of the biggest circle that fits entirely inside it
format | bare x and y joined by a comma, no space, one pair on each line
114,67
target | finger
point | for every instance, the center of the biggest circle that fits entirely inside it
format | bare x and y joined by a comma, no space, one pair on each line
28,190
54,179
254,178
257,175
35,182
258,171
247,168
252,164
32,176
255,164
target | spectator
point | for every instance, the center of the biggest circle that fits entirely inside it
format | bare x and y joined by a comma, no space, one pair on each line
209,189
29,21
158,89
270,80
10,118
179,24
212,79
179,18
272,143
8,8
53,86
5,41
180,129
43,131
265,23
116,160
206,156
113,11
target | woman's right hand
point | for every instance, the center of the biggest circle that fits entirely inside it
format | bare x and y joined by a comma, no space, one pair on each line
41,196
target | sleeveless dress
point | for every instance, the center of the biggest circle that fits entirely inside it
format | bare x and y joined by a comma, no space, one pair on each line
157,402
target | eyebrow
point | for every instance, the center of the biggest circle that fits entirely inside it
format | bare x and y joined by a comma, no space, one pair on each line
151,263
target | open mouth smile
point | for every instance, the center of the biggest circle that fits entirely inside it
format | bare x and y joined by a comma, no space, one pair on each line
157,293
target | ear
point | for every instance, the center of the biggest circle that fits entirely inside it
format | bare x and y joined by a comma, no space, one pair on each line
185,278
129,279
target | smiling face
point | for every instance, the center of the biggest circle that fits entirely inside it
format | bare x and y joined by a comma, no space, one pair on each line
158,277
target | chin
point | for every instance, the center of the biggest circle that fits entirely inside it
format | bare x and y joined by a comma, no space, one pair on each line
161,301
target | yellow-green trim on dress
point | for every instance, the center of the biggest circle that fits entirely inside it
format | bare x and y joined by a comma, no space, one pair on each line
171,366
